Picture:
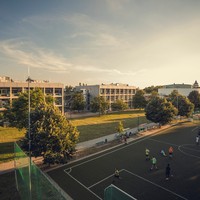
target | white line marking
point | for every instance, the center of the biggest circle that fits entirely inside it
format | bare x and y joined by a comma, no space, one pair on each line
156,185
179,148
118,149
85,186
194,128
164,142
104,179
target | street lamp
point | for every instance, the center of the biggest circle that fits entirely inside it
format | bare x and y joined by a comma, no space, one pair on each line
29,80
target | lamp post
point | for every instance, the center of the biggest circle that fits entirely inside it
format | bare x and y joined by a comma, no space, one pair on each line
138,122
29,80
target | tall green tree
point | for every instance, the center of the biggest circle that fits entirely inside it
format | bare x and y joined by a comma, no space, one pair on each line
119,105
194,98
182,103
17,113
99,104
78,102
159,110
139,100
52,136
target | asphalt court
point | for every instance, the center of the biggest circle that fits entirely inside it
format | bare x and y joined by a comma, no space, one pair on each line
87,178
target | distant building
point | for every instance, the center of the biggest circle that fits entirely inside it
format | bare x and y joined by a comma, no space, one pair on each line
183,89
111,92
9,90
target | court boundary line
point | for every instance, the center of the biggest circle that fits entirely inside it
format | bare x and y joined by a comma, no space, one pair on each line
187,154
84,186
179,147
155,184
115,150
104,179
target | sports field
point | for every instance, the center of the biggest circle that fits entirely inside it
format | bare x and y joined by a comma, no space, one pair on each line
87,178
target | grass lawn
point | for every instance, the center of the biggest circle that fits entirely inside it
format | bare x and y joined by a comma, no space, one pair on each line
94,127
89,128
7,138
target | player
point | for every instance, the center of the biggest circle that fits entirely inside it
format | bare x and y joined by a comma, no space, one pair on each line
147,154
197,140
162,152
116,175
167,172
171,150
154,161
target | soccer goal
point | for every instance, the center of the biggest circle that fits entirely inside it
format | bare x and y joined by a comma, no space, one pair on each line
114,193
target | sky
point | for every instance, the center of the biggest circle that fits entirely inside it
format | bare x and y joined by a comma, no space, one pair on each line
136,42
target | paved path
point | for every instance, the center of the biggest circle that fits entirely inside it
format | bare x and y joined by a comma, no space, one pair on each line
9,166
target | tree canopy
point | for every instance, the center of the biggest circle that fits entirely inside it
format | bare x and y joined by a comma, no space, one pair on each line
52,136
182,103
119,105
139,100
78,102
99,104
194,98
159,110
17,113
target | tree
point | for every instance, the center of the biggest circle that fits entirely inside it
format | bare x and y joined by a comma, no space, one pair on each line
119,105
17,113
185,107
99,104
78,102
160,111
194,98
182,103
139,100
52,136
151,89
120,127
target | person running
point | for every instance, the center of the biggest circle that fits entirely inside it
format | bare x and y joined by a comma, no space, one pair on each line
197,140
147,154
167,172
116,175
171,150
162,152
154,161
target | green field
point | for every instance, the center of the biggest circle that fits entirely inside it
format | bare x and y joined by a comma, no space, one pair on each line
89,128
7,138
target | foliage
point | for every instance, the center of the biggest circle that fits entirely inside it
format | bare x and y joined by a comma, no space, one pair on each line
194,98
78,102
139,100
119,105
182,103
17,114
150,89
52,136
120,127
160,111
99,104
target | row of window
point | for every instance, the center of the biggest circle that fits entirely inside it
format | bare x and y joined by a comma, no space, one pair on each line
15,91
117,91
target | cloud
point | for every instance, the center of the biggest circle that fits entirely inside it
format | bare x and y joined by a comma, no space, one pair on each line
27,54
116,5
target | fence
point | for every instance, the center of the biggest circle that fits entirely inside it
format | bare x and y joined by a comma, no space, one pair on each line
31,182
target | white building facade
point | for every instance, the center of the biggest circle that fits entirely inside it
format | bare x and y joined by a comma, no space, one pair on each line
9,90
183,89
110,92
